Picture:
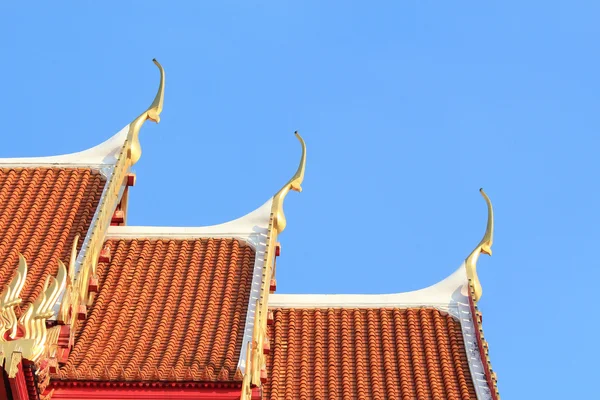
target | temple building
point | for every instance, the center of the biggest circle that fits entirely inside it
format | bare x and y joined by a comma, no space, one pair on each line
92,308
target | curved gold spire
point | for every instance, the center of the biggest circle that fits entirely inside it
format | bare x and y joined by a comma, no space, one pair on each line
152,113
484,246
293,184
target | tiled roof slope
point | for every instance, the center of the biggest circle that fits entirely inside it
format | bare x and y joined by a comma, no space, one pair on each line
168,310
41,212
376,353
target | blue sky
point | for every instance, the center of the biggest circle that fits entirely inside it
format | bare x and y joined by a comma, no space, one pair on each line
407,109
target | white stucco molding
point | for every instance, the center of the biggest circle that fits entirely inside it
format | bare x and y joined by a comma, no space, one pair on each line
475,361
444,296
104,154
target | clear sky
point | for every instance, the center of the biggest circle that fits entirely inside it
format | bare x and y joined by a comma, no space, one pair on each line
407,109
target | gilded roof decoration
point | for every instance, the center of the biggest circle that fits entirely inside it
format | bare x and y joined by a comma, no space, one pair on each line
484,246
293,184
152,113
28,334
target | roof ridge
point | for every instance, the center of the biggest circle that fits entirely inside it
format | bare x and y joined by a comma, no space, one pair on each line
103,154
442,295
243,226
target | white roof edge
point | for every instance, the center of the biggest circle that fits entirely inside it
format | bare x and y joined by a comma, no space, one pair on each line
482,390
241,227
442,295
105,153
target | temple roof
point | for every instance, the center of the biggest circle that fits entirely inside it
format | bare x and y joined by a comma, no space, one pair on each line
421,344
367,353
41,212
168,310
193,305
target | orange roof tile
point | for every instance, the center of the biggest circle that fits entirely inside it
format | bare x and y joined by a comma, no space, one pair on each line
41,212
169,310
415,353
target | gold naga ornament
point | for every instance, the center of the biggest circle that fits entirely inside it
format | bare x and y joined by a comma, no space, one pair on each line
485,247
293,184
77,296
255,358
26,337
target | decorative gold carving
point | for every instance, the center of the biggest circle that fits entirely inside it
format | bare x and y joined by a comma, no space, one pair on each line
247,381
484,246
32,323
47,396
293,184
43,377
78,293
277,223
10,298
152,113
72,260
70,291
15,360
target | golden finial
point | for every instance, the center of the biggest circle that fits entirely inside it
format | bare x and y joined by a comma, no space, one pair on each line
152,113
157,105
293,184
485,247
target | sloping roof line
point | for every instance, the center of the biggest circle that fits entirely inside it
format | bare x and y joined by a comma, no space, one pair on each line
158,304
104,154
251,228
444,295
367,353
450,295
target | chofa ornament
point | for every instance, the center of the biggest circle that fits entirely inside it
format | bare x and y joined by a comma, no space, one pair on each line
27,335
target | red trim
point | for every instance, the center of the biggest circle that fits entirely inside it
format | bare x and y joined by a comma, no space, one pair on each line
4,385
486,367
93,285
118,217
82,312
30,379
18,385
130,180
145,384
104,255
147,390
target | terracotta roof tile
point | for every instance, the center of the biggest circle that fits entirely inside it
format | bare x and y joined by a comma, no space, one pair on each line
415,353
169,310
41,211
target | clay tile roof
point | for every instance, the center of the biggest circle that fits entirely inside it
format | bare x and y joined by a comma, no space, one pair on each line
376,353
166,310
41,211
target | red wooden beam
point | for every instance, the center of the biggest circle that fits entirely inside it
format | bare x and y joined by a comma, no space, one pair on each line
18,385
4,386
180,393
